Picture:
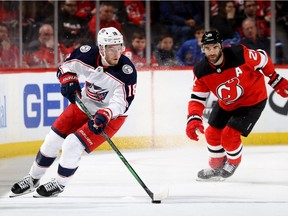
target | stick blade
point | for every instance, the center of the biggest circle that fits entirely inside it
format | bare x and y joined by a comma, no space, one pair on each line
163,194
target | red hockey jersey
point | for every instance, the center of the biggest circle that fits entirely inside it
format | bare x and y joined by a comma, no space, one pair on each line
237,82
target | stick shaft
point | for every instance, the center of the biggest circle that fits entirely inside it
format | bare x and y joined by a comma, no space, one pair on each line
130,168
114,147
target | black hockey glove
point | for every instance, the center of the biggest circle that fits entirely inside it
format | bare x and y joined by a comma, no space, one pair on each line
70,86
101,119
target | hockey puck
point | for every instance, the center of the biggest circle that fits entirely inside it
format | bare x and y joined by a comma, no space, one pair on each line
156,201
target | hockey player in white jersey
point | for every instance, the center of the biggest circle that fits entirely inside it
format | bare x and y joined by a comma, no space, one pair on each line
109,89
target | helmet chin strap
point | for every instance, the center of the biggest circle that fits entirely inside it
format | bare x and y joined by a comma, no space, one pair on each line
104,62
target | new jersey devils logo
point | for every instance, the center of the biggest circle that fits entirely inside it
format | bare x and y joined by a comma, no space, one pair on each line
229,91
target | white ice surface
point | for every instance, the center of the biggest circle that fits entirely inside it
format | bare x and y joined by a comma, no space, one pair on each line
103,186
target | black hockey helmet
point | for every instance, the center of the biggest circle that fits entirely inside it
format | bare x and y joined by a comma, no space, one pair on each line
211,37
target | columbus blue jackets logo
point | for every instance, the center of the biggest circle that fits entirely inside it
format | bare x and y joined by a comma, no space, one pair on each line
127,69
95,93
85,48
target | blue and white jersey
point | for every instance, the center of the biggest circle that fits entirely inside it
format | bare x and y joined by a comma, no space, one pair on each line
111,87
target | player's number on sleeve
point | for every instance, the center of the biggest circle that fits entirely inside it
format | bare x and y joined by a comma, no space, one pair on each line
132,90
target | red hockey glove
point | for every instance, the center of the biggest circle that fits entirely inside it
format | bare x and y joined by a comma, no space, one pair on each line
194,124
280,84
70,86
101,119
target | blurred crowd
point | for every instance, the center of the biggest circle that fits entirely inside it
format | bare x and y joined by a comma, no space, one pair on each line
176,29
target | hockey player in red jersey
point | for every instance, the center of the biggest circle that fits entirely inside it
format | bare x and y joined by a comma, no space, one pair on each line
110,83
235,76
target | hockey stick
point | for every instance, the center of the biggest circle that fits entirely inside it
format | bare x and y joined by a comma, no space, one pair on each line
156,198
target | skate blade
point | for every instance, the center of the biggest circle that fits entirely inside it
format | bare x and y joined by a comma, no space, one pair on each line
212,179
36,195
39,196
12,195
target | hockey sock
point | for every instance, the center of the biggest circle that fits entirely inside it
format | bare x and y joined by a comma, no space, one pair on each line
215,149
40,165
65,174
231,141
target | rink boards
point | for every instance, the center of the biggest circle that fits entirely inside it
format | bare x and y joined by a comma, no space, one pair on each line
30,101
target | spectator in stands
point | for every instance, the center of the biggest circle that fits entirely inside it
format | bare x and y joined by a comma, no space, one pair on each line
106,16
253,10
86,9
164,53
133,17
236,40
263,10
253,41
9,12
10,17
9,53
28,20
180,18
137,52
214,6
282,14
40,53
136,12
282,25
226,19
72,27
190,52
44,12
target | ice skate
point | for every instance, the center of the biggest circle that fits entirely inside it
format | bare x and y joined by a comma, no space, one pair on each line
228,170
209,174
50,189
25,186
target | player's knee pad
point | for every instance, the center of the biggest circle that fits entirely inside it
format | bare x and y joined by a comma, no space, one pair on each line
44,161
51,145
213,136
72,150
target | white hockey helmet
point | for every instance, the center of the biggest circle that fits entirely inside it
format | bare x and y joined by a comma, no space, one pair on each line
109,36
